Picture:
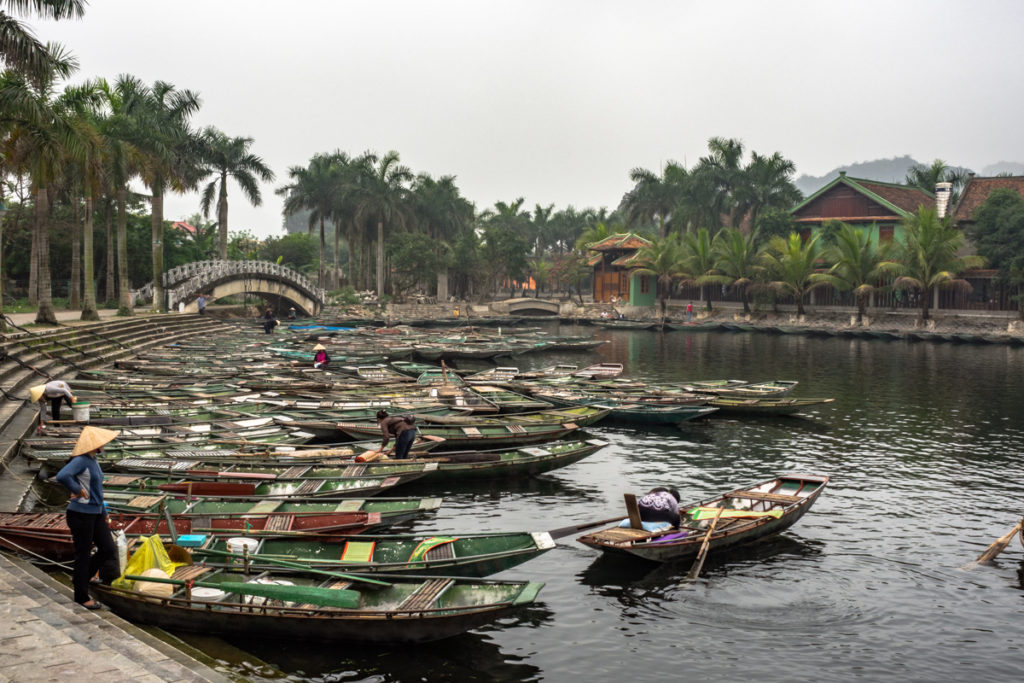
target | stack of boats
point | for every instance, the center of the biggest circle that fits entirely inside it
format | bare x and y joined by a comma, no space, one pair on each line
263,476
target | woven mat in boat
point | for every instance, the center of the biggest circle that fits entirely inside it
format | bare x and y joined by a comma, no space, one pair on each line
773,497
43,520
620,535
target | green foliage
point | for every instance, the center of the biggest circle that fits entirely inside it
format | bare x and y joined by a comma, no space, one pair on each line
243,246
776,223
998,235
297,250
413,261
790,265
346,296
859,264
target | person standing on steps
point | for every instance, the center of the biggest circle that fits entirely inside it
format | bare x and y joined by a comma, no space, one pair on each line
201,302
87,515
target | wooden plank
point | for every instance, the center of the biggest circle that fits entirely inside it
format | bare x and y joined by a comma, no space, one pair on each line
770,497
426,594
633,510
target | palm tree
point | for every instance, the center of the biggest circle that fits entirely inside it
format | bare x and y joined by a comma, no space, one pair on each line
699,260
928,257
665,260
383,196
170,157
718,175
654,198
927,177
230,157
43,131
20,51
859,264
443,214
792,265
315,188
737,258
766,183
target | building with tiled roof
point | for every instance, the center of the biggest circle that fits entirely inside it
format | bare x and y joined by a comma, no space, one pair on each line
977,190
861,203
613,261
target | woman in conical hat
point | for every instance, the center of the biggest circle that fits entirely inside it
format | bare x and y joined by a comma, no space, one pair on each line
57,391
86,514
320,358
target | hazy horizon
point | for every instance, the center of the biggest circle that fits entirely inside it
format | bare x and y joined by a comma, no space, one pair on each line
556,102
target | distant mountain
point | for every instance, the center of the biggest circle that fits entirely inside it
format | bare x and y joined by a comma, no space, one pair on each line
886,170
1011,167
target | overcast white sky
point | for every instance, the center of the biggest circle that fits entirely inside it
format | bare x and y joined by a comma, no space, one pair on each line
555,101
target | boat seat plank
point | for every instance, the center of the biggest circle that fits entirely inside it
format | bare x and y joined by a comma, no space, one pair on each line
471,431
190,572
426,594
444,551
309,486
294,472
516,429
264,506
354,471
280,523
144,501
770,497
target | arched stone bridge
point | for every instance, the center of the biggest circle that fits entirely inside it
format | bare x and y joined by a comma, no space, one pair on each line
218,279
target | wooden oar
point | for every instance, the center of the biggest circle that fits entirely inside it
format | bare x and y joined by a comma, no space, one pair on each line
999,546
698,564
569,530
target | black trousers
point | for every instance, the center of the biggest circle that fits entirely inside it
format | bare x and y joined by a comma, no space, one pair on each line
403,443
55,406
86,531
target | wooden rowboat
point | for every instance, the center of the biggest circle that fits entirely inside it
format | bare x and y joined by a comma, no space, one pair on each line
485,436
766,406
748,514
450,554
406,610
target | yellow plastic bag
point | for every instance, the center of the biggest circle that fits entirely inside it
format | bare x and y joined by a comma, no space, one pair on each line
151,554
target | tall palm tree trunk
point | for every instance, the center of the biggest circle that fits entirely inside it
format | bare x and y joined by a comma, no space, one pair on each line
323,254
45,314
222,218
75,293
380,259
337,257
158,250
33,266
124,285
108,290
89,311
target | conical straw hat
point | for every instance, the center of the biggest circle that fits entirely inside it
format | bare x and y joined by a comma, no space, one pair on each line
36,393
93,438
319,347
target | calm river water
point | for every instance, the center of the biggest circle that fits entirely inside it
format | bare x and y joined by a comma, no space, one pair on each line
923,444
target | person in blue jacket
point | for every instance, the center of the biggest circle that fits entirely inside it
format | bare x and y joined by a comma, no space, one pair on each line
87,516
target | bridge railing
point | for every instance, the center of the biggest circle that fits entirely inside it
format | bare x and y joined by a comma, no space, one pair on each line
185,281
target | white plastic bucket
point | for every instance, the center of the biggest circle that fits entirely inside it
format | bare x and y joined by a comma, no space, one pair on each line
203,593
80,411
242,545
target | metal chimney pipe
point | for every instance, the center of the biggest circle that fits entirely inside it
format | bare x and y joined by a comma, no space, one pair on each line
942,194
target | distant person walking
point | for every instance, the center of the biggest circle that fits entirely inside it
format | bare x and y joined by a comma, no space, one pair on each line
57,391
689,312
87,516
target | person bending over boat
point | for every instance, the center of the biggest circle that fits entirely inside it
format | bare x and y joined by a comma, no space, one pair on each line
402,428
321,359
660,505
57,391
87,516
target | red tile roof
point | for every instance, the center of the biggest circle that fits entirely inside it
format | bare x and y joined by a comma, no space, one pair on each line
905,197
978,190
628,240
182,225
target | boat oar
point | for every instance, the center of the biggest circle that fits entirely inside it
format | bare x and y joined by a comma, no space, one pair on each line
298,565
698,564
323,597
999,546
569,530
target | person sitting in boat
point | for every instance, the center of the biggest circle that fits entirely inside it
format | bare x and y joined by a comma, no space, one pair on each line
86,514
660,505
291,313
402,428
57,391
269,322
321,359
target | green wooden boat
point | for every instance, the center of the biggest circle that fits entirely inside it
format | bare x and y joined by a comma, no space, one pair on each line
451,554
390,510
509,401
766,406
581,416
498,463
650,414
310,608
308,488
486,436
773,388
